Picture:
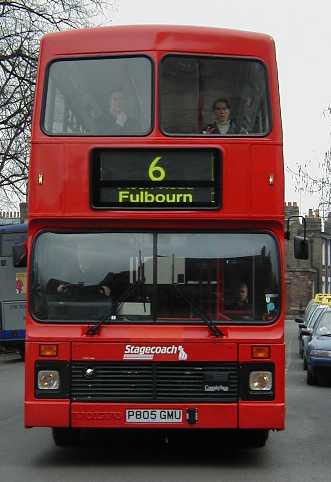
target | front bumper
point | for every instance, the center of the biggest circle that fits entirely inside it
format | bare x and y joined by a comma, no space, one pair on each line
245,415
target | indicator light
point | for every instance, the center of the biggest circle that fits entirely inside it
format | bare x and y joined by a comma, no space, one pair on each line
48,350
261,351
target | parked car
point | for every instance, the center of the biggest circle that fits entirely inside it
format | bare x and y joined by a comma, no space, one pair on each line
305,339
318,351
303,323
313,305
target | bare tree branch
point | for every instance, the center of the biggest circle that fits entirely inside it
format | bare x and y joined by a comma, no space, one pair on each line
22,24
315,181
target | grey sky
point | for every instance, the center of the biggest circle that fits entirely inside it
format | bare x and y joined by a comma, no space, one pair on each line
301,29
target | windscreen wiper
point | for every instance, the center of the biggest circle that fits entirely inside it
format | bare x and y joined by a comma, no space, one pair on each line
213,328
112,315
140,284
94,329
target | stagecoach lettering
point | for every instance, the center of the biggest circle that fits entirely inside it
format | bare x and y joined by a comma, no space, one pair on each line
153,350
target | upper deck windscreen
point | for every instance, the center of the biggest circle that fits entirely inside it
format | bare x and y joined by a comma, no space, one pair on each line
213,96
104,96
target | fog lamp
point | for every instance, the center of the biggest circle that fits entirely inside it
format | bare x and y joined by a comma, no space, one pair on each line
260,381
48,380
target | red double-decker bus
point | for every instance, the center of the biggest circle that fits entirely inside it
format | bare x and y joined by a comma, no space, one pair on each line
156,257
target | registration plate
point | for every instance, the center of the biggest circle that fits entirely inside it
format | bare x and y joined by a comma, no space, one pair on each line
154,416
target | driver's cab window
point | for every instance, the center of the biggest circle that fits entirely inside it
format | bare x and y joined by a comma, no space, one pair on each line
213,96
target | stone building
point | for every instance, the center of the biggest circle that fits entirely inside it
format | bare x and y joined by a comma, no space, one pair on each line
14,217
304,278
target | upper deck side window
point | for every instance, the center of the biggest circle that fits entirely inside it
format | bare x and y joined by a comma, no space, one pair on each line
98,97
213,96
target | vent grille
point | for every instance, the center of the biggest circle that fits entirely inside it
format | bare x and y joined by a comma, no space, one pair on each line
154,382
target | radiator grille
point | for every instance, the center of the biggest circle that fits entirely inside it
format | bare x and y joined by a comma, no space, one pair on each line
154,382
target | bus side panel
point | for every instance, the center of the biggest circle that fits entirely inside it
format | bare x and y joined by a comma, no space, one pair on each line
13,315
12,299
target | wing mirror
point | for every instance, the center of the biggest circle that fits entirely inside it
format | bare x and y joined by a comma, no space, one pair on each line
300,243
306,332
20,255
300,248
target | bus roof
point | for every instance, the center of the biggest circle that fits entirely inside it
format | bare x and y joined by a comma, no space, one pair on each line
14,228
158,37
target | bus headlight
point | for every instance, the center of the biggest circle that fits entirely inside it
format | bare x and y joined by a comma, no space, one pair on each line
260,381
48,380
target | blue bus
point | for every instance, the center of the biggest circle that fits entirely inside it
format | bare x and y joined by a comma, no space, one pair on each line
12,287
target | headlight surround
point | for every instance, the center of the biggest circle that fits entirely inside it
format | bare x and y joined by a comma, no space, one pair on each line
260,381
321,353
48,380
52,379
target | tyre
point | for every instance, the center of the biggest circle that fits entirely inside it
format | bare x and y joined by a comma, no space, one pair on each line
21,352
66,437
253,438
322,379
311,378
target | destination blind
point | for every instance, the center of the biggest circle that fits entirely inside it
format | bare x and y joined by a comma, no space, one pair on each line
156,178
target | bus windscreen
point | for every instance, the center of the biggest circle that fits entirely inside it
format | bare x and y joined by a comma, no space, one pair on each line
155,277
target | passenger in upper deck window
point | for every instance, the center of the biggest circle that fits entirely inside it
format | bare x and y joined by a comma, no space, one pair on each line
223,124
116,120
116,107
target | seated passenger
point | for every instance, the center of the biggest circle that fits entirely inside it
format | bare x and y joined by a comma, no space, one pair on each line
223,123
116,119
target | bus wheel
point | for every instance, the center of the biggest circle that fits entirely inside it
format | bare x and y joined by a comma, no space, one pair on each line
66,437
254,438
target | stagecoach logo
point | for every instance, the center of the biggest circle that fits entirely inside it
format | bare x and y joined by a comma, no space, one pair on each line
133,352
